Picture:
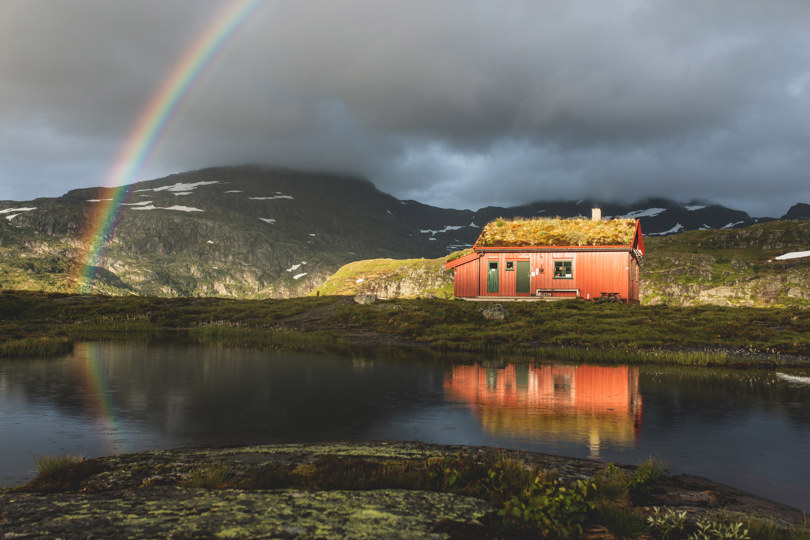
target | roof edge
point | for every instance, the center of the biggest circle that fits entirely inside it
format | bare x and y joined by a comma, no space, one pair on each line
461,260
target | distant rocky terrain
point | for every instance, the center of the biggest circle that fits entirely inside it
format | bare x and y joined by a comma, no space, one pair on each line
258,232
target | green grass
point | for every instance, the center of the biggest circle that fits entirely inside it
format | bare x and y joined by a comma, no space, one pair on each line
41,324
51,465
60,473
208,477
358,277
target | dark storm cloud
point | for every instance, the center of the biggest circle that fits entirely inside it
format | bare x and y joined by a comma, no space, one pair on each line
458,103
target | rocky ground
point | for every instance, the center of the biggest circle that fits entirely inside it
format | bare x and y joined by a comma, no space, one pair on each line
152,494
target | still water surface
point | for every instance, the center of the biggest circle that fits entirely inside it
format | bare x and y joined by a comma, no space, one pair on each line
750,429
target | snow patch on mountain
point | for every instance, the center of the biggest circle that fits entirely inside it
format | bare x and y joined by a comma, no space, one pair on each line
299,276
176,208
180,186
730,225
446,229
8,210
649,212
677,228
271,221
693,207
272,197
793,255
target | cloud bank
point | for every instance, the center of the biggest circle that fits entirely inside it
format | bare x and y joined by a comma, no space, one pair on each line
456,103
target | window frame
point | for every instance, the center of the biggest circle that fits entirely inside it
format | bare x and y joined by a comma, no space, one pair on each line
562,264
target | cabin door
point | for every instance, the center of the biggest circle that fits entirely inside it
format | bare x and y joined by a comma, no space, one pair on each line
492,277
522,277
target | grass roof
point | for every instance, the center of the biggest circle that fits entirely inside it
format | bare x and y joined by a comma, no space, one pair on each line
557,232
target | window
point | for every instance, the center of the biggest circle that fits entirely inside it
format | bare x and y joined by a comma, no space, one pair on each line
563,269
510,266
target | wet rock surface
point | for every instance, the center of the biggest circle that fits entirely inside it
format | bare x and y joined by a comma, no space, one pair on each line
148,494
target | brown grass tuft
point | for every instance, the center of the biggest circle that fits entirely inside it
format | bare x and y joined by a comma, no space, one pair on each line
557,232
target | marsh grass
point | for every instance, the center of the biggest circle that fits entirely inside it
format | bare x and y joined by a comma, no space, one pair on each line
50,465
763,529
261,338
35,346
40,324
60,473
208,477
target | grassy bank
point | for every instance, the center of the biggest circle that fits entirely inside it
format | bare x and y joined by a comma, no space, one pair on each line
37,324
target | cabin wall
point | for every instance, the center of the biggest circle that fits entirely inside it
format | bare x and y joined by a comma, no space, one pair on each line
466,279
593,273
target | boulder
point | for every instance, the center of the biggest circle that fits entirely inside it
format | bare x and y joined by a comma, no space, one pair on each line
494,312
365,299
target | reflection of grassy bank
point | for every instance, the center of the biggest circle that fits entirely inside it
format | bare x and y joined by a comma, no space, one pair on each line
37,324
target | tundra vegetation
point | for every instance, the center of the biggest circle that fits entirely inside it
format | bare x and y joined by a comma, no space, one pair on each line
36,324
557,232
520,495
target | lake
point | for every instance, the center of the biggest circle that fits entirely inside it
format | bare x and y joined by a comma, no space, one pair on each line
746,428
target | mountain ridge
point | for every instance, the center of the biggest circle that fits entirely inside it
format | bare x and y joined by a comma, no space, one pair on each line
257,232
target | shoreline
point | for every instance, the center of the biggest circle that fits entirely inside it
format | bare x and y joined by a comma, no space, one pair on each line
40,324
123,493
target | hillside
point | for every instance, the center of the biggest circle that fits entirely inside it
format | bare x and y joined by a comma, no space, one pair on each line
258,232
391,278
730,267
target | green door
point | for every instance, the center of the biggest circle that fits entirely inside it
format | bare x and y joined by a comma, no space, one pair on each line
522,271
492,276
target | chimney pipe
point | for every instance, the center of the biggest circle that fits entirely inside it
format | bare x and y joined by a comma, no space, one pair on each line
596,214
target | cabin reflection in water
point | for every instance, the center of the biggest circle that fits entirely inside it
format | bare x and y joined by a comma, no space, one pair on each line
581,404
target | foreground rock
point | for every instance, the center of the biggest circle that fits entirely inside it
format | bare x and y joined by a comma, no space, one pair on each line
149,494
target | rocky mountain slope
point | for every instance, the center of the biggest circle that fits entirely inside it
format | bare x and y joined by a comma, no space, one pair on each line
742,267
256,232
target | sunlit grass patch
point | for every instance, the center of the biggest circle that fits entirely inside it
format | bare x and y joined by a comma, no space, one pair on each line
49,465
208,477
60,473
35,346
557,232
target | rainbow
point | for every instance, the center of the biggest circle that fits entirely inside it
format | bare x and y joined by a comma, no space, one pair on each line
152,125
89,360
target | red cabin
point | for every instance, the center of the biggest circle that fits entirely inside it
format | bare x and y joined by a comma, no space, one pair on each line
553,258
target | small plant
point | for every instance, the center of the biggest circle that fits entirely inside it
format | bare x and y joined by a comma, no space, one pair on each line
209,477
646,473
706,529
674,524
52,465
667,524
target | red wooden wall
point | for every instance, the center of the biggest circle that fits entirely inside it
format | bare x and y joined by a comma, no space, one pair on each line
594,273
467,278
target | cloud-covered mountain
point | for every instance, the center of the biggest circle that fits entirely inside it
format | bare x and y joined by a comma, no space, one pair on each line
263,232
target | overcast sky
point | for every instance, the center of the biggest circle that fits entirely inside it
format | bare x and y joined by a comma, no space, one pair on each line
457,103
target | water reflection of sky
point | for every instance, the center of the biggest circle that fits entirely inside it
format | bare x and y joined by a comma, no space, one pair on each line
748,429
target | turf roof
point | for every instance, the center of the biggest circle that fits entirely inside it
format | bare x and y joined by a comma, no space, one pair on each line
557,232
